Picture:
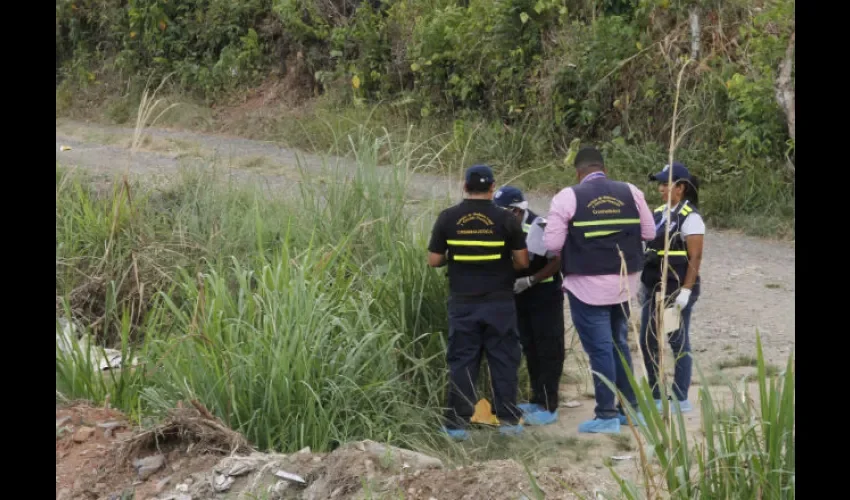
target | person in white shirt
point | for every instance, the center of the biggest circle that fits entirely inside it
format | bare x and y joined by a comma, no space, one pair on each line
687,230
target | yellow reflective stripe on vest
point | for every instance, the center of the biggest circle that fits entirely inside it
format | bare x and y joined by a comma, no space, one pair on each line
526,227
472,258
675,253
596,234
549,279
475,243
606,222
659,209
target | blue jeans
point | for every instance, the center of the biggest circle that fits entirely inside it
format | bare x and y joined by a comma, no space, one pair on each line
603,331
680,343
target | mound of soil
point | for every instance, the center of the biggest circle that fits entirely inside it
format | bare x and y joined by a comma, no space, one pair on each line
99,455
192,456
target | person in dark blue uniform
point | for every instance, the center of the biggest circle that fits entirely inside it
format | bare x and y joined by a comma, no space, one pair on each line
483,246
540,312
684,255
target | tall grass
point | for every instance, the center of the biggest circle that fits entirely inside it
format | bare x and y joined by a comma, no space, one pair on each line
745,452
305,321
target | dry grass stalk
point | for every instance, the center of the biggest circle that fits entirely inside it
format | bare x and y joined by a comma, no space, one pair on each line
660,305
147,106
644,462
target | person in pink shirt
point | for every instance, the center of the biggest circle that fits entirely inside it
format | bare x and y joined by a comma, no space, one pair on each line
598,227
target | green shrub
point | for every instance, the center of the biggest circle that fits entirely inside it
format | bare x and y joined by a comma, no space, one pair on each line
512,82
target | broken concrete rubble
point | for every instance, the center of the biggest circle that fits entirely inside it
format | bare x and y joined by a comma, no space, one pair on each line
147,466
83,434
269,475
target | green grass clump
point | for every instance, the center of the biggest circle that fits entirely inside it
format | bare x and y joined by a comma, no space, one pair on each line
746,451
741,360
301,321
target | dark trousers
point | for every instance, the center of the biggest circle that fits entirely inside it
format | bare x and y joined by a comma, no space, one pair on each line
680,343
541,331
491,328
603,331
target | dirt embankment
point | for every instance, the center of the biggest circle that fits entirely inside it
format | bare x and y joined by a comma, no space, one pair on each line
191,456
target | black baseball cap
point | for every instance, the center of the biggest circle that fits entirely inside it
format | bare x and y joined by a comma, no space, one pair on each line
479,174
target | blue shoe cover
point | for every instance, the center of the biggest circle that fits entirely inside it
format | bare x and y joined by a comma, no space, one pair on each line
625,421
541,417
600,426
458,434
684,406
529,407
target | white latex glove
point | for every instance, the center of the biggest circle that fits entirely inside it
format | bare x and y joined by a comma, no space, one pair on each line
523,284
683,298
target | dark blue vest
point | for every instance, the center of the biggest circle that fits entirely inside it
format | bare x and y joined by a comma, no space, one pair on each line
606,222
678,253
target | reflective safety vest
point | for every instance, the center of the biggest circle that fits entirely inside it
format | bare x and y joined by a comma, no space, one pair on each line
677,255
606,223
480,261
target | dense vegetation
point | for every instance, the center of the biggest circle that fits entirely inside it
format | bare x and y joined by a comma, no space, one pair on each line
297,327
512,82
